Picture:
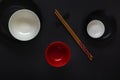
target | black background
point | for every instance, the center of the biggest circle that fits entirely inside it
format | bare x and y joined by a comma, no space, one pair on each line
26,60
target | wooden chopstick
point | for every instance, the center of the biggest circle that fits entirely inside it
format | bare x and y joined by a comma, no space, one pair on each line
75,37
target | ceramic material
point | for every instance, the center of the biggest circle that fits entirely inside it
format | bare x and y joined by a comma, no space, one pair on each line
57,54
24,25
95,29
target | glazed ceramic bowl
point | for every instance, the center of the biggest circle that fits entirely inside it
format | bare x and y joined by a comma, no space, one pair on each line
24,25
57,54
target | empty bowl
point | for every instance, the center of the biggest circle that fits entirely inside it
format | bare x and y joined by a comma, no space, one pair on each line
95,29
57,54
24,24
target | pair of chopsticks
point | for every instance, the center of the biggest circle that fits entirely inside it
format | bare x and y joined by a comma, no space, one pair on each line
75,37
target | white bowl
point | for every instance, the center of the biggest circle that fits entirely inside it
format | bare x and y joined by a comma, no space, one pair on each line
95,29
24,25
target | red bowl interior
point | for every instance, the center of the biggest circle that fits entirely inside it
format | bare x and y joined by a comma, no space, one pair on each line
58,54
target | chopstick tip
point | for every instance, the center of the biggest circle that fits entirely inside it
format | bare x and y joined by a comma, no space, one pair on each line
91,58
55,10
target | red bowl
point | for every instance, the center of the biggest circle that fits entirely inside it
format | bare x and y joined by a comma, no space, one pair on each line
57,54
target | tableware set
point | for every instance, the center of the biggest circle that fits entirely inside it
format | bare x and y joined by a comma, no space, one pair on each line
23,23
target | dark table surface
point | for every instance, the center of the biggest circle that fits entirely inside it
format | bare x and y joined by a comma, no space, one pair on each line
26,60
